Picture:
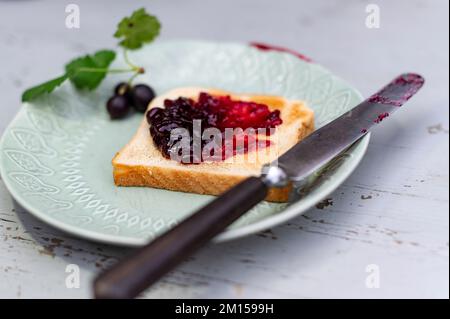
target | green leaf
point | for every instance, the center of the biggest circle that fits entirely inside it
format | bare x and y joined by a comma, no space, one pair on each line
43,88
88,72
137,30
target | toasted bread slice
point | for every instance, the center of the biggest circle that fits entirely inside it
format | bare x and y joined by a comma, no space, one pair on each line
140,163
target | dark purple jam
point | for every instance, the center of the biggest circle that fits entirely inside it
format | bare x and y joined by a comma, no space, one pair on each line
388,95
219,112
268,47
381,117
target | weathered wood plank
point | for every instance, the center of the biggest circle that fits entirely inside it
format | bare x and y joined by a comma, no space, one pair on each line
392,212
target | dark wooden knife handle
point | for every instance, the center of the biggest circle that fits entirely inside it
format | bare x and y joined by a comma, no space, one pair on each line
146,265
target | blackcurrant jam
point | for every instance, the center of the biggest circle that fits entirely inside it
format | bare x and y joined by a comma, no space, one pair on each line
220,112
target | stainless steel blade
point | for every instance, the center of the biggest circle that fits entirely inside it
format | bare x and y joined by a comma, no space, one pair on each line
329,141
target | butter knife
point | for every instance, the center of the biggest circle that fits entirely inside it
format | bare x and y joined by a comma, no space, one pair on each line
146,265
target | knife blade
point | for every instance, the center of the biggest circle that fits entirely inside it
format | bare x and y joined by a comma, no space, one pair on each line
147,264
327,142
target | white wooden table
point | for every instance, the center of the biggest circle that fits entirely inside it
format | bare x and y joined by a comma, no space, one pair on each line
392,213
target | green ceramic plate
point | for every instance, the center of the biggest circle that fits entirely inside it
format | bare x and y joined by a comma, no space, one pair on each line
56,154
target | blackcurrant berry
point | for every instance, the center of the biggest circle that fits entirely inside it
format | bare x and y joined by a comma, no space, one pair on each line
118,106
123,88
142,95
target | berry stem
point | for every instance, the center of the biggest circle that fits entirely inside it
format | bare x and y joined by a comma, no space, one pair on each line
119,71
104,70
127,61
132,78
137,69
